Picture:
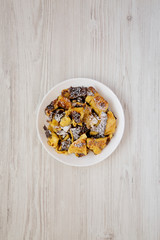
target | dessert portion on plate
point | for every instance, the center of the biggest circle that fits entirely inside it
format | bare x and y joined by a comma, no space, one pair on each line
79,120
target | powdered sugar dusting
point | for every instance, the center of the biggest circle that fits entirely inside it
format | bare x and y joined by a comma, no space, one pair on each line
58,115
62,133
65,144
100,102
100,129
66,128
80,144
76,132
90,93
93,120
77,92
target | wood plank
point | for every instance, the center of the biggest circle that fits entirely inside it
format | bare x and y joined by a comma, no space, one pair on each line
43,43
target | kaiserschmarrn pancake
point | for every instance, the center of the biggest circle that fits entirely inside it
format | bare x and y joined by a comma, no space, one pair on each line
79,121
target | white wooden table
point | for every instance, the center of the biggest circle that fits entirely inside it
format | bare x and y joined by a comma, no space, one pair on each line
43,43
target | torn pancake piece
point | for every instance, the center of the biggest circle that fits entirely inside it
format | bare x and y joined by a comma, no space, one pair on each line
98,103
97,145
79,147
111,123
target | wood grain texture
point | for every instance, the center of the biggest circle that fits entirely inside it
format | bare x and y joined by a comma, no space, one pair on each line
43,43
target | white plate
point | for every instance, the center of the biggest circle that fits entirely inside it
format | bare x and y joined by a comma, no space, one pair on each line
114,105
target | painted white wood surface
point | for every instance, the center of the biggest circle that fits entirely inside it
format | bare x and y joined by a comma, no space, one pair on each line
41,44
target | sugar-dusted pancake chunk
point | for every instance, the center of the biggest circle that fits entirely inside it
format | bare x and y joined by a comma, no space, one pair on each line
111,123
97,145
79,147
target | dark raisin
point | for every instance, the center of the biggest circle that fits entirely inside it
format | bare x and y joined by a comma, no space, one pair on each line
47,132
76,92
45,128
94,113
76,116
108,140
84,129
59,111
50,107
